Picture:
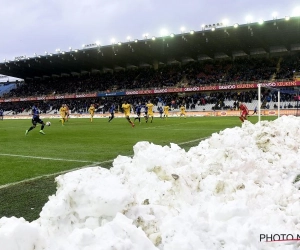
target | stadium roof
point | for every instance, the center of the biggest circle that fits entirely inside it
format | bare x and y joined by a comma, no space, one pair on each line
213,41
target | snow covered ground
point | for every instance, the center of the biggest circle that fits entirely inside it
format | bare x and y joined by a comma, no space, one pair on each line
226,193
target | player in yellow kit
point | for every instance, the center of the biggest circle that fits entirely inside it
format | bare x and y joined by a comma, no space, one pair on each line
182,111
67,113
166,111
127,107
62,112
150,111
92,111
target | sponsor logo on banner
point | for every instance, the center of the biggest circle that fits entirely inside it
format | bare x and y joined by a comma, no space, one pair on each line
7,100
223,113
161,91
286,84
59,97
23,99
227,87
172,90
272,113
41,98
246,86
208,88
187,89
132,92
269,84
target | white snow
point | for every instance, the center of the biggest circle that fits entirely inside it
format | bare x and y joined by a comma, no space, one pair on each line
221,194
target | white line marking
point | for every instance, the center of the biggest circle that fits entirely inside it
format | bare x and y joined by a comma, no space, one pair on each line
53,174
44,158
74,169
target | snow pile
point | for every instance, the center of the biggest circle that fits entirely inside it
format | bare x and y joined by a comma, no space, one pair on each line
222,194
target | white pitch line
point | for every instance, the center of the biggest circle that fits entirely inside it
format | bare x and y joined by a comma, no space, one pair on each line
74,169
53,174
45,158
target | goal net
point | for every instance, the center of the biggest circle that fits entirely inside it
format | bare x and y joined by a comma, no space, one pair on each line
277,101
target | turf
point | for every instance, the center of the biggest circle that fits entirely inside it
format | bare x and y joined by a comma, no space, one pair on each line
29,164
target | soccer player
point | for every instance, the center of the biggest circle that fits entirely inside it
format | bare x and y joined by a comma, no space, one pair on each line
161,111
36,119
138,110
244,112
255,111
166,111
62,112
112,112
146,113
92,111
182,111
126,107
1,114
150,110
67,113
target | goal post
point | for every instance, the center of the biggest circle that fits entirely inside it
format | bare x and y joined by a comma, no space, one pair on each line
278,97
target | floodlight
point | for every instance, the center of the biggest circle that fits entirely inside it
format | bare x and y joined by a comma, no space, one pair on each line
112,40
83,45
164,32
182,29
225,22
236,25
51,54
287,18
76,50
296,11
213,29
260,21
249,19
46,52
128,38
119,43
153,38
57,50
136,40
70,48
192,32
63,52
97,43
274,15
172,35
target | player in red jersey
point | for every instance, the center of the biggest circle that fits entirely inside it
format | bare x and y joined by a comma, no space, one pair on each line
244,112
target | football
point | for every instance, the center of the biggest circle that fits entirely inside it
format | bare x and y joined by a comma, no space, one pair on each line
48,123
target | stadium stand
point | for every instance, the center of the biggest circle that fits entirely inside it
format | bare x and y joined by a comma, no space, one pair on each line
194,63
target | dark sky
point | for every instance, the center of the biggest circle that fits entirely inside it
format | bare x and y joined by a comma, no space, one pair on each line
36,26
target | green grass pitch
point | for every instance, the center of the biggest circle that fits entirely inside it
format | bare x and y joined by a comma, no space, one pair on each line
29,164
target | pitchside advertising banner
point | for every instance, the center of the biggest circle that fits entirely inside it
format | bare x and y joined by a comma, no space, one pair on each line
160,91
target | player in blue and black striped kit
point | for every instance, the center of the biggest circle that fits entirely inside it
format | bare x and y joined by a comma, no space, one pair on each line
36,119
112,112
1,114
138,109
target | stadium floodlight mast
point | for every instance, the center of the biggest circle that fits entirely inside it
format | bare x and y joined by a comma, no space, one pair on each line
182,29
98,43
128,38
